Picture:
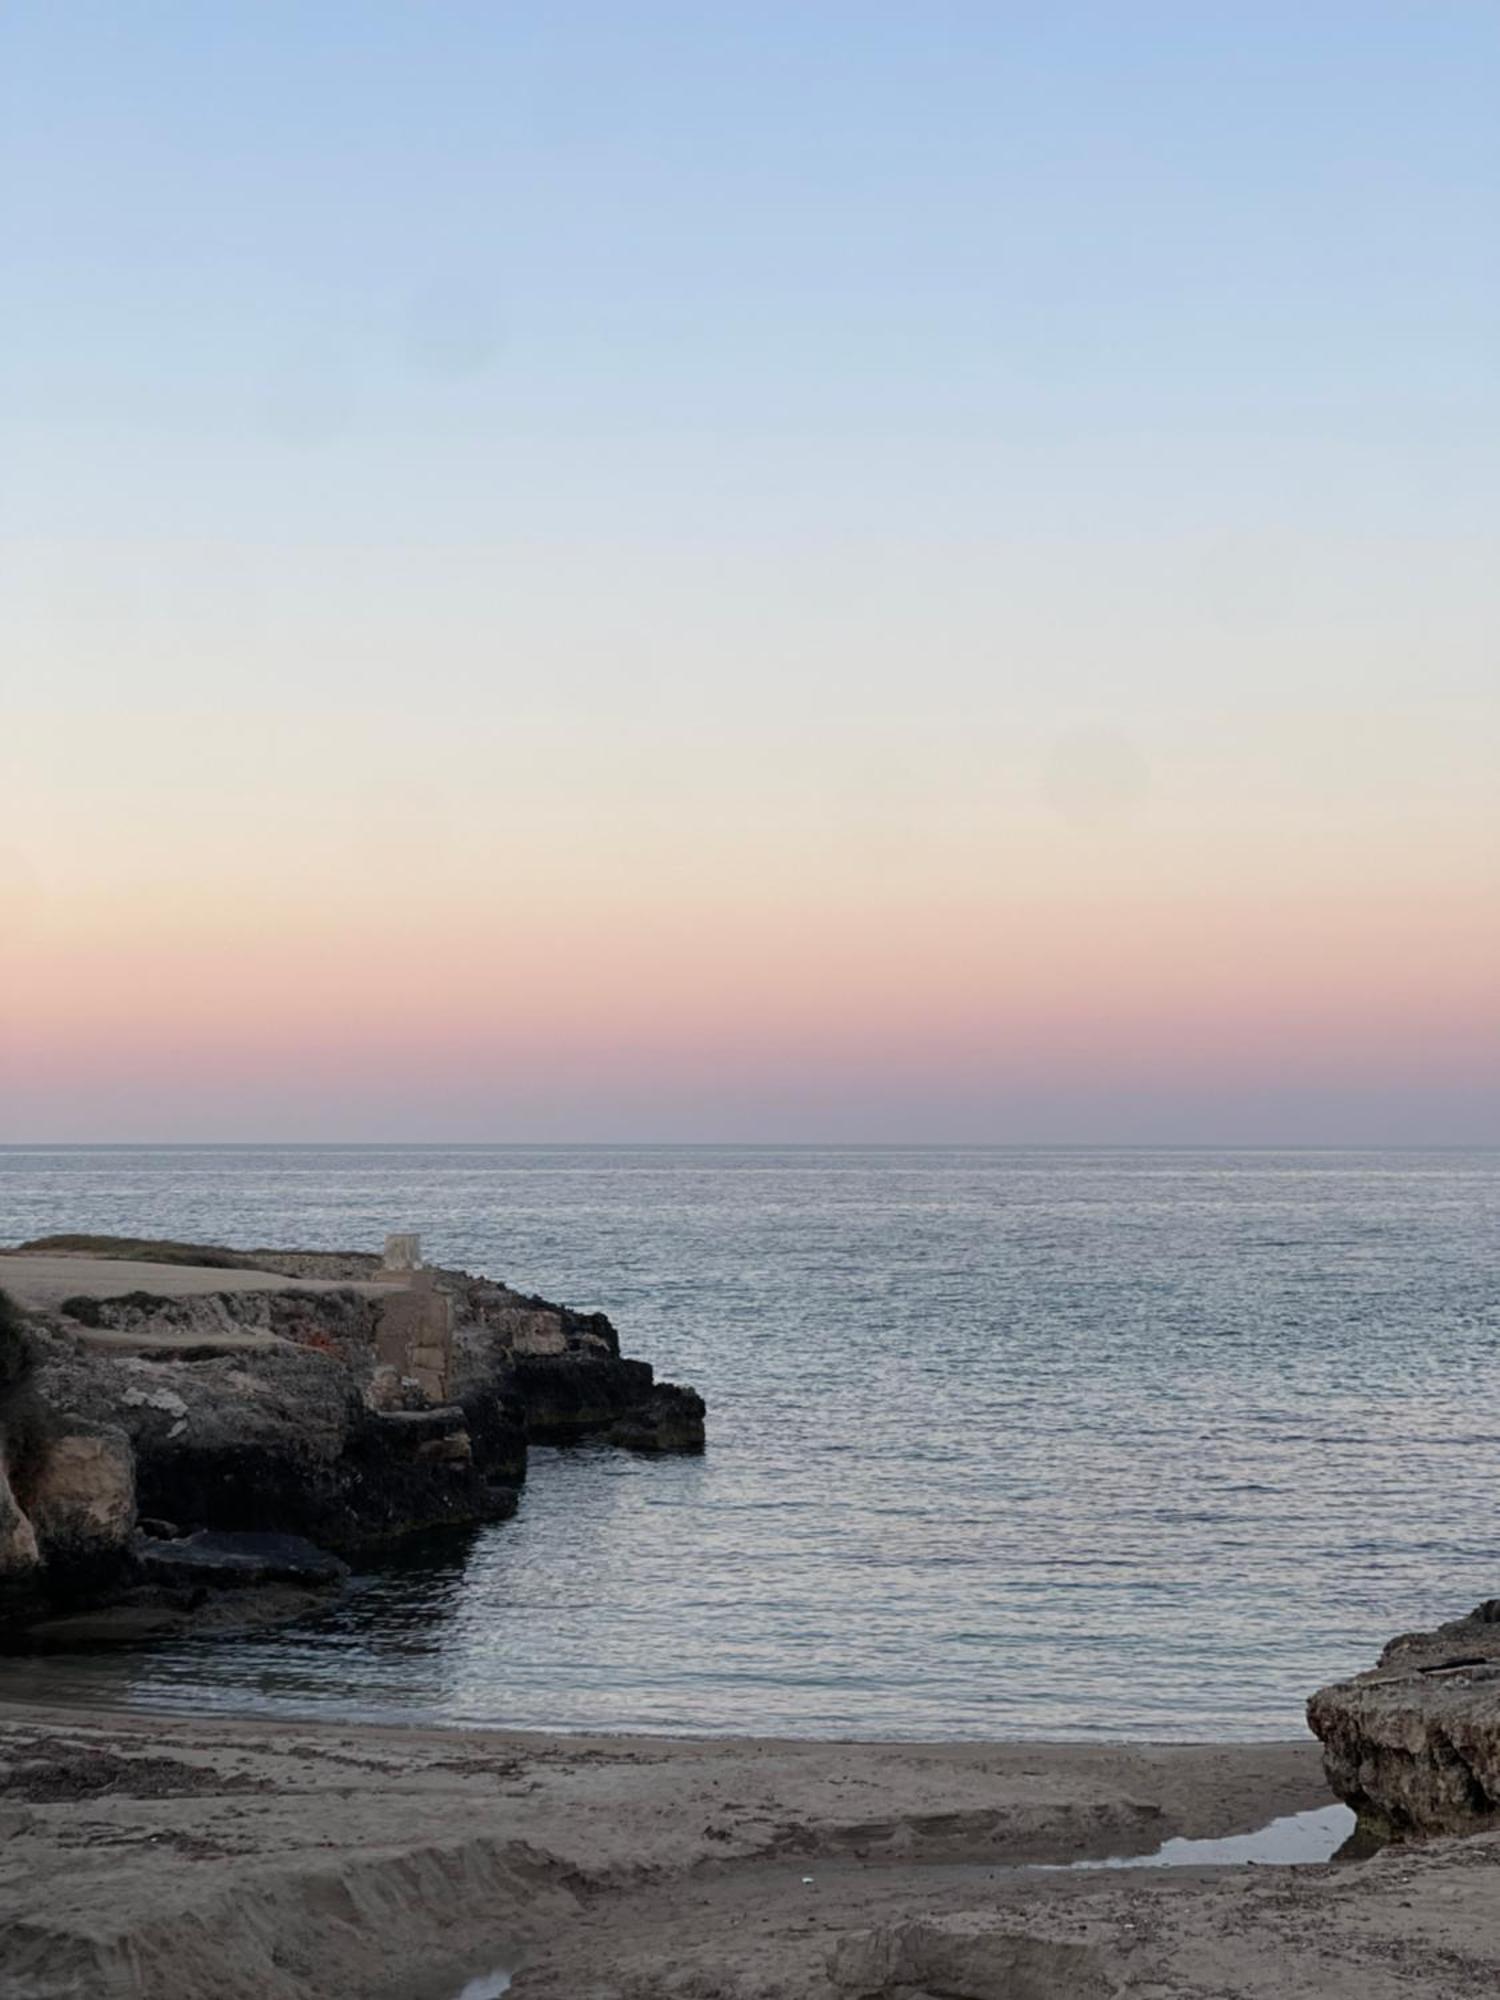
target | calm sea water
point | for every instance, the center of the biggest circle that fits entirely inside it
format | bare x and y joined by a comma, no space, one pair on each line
1003,1443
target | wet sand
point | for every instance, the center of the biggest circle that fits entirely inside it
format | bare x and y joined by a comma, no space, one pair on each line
145,1855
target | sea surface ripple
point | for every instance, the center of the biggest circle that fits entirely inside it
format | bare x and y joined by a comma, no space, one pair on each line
1003,1443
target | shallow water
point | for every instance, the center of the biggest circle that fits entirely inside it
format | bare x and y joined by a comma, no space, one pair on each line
1298,1840
1002,1443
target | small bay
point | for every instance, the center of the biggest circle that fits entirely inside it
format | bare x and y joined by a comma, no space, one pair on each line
1002,1442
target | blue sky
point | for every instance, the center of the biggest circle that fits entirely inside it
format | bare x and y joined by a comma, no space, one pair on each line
1096,266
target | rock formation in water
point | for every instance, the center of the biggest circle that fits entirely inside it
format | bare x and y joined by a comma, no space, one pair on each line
1414,1744
191,1418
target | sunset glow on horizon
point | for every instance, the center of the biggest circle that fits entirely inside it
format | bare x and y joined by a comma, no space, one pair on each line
768,576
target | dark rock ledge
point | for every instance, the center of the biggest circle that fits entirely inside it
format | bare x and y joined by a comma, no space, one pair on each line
186,1436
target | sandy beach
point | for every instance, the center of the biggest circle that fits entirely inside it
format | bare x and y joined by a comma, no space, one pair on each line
176,1858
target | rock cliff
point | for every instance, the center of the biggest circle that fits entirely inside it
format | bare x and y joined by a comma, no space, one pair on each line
1414,1744
152,1392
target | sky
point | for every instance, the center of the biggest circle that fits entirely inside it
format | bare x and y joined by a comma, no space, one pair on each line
777,572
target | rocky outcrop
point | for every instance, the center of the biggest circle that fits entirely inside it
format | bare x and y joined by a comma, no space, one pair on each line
669,1418
565,1372
281,1435
1414,1745
209,1558
570,1396
344,1406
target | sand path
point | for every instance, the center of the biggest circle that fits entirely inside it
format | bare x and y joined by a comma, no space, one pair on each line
44,1282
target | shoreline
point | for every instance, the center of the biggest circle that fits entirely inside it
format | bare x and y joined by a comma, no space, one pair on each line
39,1680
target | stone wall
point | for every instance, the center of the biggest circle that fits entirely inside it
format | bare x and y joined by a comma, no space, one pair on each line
414,1336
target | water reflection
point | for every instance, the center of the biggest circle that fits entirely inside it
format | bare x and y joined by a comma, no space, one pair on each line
1297,1840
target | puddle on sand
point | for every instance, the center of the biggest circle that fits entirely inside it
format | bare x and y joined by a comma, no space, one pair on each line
1296,1841
489,1986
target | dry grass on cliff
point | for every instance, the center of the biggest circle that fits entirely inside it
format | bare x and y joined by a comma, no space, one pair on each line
139,1250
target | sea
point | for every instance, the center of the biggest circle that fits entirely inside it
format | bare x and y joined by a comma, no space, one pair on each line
1003,1443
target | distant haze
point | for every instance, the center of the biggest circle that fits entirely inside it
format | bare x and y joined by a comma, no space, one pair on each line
851,572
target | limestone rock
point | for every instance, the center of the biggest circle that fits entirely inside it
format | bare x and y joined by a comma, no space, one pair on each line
577,1395
671,1418
331,1407
1414,1745
19,1554
81,1496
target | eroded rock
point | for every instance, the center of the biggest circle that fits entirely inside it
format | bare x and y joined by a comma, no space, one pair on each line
81,1496
345,1406
670,1418
1414,1744
576,1395
19,1553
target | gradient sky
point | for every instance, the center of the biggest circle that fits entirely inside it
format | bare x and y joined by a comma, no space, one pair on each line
818,571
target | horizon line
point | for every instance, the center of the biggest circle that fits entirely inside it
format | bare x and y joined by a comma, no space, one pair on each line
754,1145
